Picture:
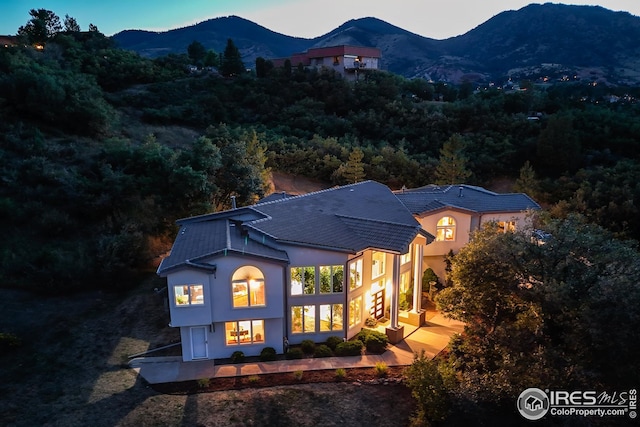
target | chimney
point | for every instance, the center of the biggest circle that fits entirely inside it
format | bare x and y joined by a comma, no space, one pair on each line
233,202
460,193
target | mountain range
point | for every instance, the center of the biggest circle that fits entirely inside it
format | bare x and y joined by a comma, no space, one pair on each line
538,41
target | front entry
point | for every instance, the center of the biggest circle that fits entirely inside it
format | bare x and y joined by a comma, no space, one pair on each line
377,308
199,342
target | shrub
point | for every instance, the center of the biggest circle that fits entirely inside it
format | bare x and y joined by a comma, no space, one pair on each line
237,356
374,341
308,346
298,375
370,322
340,373
333,341
322,351
203,382
381,369
268,354
295,353
253,379
349,348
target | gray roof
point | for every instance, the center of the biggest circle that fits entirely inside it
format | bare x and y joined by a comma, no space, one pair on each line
464,197
348,219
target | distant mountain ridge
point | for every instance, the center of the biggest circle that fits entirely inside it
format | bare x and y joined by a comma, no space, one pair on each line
590,42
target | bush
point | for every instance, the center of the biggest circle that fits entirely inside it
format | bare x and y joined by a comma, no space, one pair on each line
381,369
204,382
349,348
298,375
294,353
308,346
237,356
340,374
374,341
333,341
268,354
322,351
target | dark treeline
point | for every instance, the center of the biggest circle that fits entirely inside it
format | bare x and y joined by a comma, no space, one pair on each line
103,150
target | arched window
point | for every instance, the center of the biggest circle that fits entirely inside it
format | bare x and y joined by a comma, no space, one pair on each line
247,287
446,229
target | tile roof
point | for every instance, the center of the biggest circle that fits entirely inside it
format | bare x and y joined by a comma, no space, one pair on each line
349,219
465,197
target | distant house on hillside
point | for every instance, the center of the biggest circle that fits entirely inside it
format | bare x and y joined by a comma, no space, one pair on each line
8,41
348,61
319,264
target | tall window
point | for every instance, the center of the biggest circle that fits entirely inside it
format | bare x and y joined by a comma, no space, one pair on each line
247,287
186,295
355,274
355,311
303,319
331,277
244,332
405,258
330,317
378,264
303,280
446,229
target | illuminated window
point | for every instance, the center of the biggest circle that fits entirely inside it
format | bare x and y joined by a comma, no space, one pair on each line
377,264
507,226
355,311
303,319
331,277
244,332
446,229
247,287
405,258
355,274
330,317
186,295
303,280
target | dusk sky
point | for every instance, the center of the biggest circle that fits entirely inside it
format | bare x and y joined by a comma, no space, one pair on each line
438,19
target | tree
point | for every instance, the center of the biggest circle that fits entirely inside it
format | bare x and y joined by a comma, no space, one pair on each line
452,165
231,64
70,24
93,28
353,170
527,181
541,311
211,59
196,52
43,25
558,147
428,388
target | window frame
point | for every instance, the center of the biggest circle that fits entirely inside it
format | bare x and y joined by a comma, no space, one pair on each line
355,311
356,266
251,332
306,311
189,287
443,228
333,283
333,312
251,283
379,271
305,279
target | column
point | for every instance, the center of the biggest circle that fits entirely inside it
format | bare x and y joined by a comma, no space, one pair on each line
417,277
395,291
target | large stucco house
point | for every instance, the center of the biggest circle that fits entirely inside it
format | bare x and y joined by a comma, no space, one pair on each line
315,265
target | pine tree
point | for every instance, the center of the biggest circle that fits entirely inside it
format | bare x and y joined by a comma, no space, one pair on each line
452,166
232,64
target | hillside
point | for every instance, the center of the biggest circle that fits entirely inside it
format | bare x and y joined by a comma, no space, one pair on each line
588,41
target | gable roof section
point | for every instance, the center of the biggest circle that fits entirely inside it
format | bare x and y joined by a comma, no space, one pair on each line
347,219
463,197
336,219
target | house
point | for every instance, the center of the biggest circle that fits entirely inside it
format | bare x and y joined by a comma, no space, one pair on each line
300,267
348,61
451,213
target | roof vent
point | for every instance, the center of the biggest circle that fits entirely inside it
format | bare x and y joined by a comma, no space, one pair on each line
233,202
460,191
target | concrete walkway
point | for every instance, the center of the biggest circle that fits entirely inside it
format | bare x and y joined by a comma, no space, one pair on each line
432,338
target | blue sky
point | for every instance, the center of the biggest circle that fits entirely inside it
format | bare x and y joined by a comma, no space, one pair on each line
438,19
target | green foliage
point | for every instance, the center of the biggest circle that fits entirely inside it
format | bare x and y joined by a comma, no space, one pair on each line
231,64
428,389
322,351
530,307
374,341
340,374
333,341
298,375
294,353
268,354
204,382
308,346
381,369
196,52
452,166
349,348
43,25
237,356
